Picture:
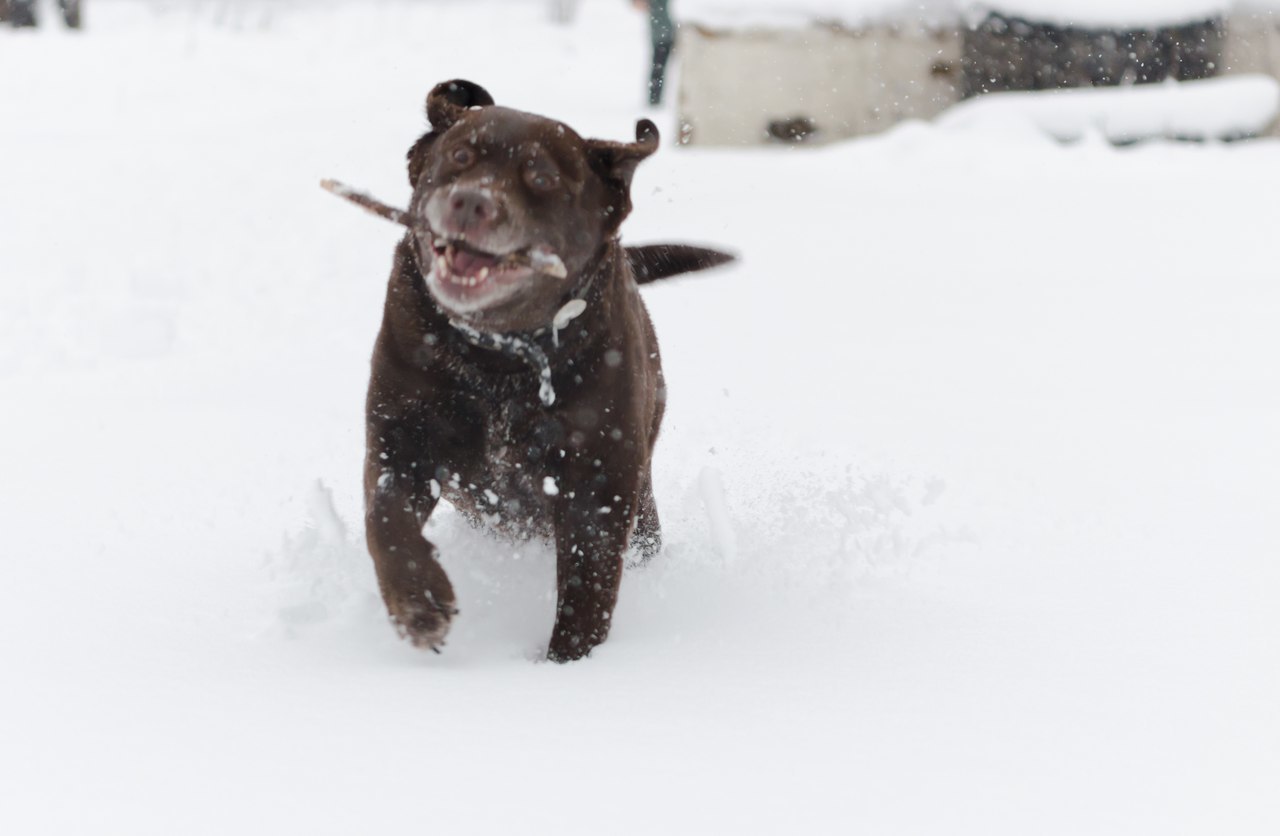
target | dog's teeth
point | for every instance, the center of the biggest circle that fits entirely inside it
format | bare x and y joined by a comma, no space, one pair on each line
484,273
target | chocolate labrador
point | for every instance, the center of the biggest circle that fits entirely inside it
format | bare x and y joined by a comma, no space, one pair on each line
516,373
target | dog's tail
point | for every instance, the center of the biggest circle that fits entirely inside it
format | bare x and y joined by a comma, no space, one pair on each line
652,262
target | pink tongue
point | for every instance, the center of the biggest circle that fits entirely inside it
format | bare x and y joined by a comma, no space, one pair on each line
468,263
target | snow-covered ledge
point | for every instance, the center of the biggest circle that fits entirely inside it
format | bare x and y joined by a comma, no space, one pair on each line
1235,107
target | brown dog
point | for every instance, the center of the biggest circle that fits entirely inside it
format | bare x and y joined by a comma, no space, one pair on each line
517,373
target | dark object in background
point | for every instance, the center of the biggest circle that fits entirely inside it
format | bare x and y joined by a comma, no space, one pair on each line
529,398
662,41
796,129
22,13
1005,53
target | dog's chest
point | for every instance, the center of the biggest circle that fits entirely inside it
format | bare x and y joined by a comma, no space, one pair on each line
507,489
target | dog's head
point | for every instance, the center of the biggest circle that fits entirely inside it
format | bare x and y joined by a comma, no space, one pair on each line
517,206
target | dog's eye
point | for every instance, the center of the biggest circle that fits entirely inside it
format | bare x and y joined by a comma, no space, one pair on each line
463,156
541,181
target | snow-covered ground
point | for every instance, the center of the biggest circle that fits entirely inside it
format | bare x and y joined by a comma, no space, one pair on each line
969,477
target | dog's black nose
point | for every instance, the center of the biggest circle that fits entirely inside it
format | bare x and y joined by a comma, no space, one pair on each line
472,209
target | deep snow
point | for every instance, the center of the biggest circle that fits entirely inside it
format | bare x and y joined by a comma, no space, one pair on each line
969,476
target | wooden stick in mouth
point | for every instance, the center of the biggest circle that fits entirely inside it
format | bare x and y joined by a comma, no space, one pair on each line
538,258
377,207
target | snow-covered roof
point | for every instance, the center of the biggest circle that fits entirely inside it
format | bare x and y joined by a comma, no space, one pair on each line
738,14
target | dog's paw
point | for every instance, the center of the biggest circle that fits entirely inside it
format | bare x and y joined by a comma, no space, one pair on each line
424,622
570,655
569,648
643,549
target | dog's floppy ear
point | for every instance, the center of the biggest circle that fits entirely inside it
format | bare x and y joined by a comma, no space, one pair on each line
616,163
618,160
448,100
446,103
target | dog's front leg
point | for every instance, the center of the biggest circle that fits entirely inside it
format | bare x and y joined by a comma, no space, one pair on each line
593,523
414,586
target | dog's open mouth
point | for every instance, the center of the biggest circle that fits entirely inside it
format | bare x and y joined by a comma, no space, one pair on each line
462,264
471,276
